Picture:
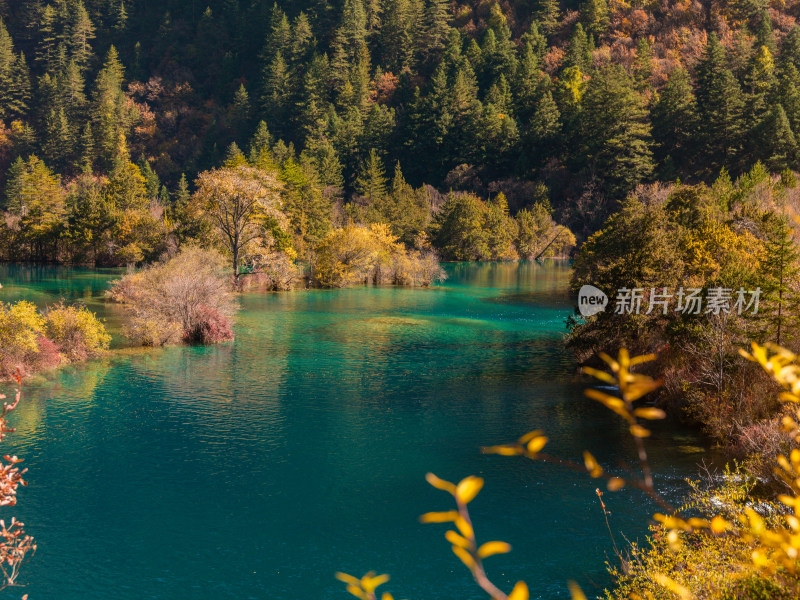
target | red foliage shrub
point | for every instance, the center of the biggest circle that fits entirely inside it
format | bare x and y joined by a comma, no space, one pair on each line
209,327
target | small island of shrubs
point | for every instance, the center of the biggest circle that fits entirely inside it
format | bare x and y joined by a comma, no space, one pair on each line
32,341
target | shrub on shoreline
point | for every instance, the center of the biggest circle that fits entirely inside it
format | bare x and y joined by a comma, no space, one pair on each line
187,298
31,341
356,254
76,332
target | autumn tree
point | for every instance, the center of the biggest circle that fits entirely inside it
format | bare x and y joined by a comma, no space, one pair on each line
237,200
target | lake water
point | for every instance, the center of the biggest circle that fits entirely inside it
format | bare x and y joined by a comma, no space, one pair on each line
257,469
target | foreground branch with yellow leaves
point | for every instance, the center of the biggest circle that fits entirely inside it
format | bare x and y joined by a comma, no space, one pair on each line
766,547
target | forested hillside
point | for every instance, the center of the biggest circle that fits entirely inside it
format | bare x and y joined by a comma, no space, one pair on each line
373,110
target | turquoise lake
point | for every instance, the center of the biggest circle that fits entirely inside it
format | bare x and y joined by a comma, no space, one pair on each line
259,468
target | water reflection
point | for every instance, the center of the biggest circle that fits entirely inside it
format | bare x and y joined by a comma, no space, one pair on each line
259,468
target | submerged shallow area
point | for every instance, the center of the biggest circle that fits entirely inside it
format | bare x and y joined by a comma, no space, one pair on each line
257,469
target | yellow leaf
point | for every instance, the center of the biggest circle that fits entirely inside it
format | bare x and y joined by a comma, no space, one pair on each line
598,374
650,413
387,596
370,583
465,528
520,592
507,450
536,444
615,404
641,388
615,483
575,591
592,466
440,484
637,360
456,539
464,556
468,488
609,361
439,517
492,548
530,435
357,592
673,586
639,431
344,577
718,524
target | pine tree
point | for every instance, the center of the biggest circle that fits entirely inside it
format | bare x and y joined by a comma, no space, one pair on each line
643,64
303,42
58,140
259,144
276,92
86,151
546,14
674,118
720,106
577,53
48,38
615,132
779,267
71,89
790,49
109,111
371,181
6,70
182,195
81,34
779,143
20,87
595,17
120,16
152,184
789,94
239,113
436,27
764,34
308,210
234,157
348,41
396,39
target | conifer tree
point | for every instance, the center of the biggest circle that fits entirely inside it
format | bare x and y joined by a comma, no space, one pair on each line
20,101
259,144
81,34
86,155
779,143
6,70
578,53
674,118
790,49
371,181
234,157
152,183
720,106
436,27
595,17
643,64
616,132
396,39
779,268
109,110
48,38
546,15
58,140
764,34
71,89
